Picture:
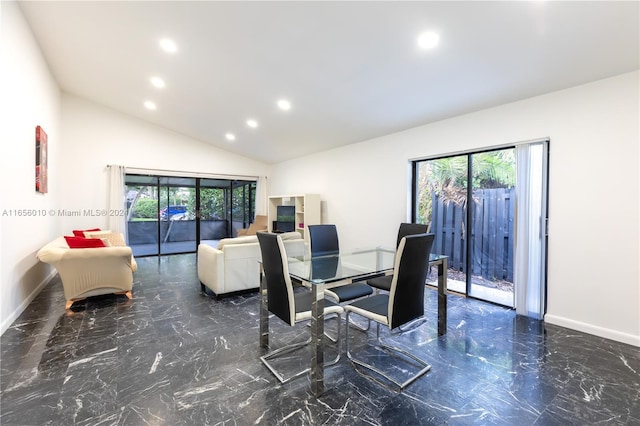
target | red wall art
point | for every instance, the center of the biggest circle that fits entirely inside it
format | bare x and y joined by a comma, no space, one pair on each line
41,161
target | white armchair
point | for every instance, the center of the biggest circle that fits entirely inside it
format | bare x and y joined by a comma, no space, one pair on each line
87,272
233,265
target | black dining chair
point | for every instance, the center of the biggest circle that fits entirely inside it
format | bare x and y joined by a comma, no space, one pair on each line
324,242
384,282
404,303
291,307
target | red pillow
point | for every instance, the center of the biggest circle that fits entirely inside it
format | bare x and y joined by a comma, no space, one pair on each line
78,242
79,233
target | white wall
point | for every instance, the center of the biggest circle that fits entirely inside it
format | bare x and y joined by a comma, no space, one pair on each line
95,136
30,97
593,280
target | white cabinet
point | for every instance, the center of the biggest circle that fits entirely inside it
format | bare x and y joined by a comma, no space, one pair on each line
306,211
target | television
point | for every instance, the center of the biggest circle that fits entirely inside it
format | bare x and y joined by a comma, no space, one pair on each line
285,219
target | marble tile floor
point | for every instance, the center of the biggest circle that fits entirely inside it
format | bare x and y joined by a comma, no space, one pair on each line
172,356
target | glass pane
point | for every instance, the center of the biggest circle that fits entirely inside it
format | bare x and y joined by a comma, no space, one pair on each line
213,221
242,202
177,215
441,203
492,232
142,214
164,213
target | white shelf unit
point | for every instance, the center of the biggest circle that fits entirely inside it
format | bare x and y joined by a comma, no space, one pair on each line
307,211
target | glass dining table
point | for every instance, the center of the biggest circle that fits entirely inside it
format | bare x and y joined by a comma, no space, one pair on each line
325,272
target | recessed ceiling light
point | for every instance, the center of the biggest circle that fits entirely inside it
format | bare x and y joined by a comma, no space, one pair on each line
150,105
168,45
428,40
230,137
252,123
284,104
157,82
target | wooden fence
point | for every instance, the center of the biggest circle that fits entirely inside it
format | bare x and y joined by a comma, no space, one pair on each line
492,235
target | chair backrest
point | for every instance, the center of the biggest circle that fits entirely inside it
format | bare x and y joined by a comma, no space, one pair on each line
324,240
276,270
410,229
406,296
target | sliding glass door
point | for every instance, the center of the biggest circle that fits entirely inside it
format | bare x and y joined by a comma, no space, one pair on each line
467,200
243,197
225,207
177,215
213,211
143,212
169,215
479,205
491,218
441,203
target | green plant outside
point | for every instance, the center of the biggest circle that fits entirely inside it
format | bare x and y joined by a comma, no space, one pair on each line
145,208
447,178
215,203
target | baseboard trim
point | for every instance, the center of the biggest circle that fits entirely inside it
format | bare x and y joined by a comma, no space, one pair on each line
607,333
20,309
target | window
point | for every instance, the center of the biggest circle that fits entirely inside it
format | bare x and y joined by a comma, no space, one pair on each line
168,214
470,203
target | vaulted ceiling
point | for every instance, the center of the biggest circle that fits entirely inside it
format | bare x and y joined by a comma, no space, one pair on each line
351,71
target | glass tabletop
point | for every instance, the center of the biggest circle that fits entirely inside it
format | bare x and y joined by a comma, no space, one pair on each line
436,257
345,265
348,265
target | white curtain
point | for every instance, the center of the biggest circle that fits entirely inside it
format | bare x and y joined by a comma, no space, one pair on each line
261,196
530,229
117,223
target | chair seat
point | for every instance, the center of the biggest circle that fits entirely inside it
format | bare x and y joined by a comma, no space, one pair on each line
349,292
381,283
374,308
303,306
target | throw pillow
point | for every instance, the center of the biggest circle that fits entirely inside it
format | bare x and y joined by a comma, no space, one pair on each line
80,233
115,239
79,242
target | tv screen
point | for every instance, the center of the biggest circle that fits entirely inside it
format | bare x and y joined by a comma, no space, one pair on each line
286,214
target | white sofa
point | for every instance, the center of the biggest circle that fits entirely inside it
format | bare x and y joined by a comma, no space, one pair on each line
86,272
233,265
